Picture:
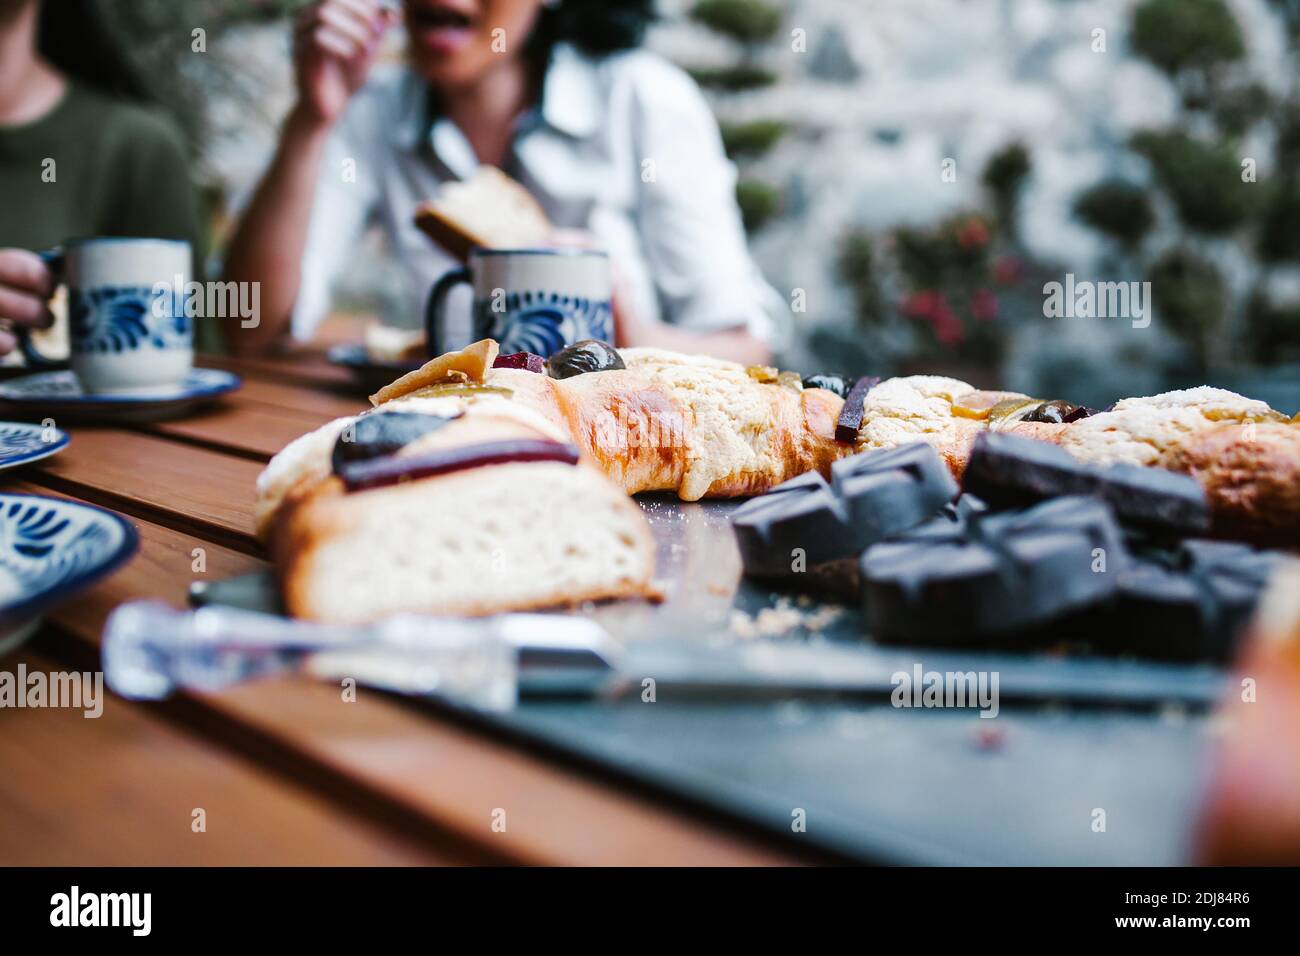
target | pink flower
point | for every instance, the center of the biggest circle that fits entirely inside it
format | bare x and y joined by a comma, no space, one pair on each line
1008,270
972,233
919,305
984,305
947,327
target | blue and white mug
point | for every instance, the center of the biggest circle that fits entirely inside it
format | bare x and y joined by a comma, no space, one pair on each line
529,300
128,331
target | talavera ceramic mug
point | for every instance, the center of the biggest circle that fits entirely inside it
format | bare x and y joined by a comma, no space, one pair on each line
529,300
128,330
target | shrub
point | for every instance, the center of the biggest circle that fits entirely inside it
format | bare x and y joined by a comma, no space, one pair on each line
1118,209
732,79
1279,229
1203,180
1007,169
1237,108
751,139
1273,330
1004,174
749,21
1189,295
758,202
1178,35
855,265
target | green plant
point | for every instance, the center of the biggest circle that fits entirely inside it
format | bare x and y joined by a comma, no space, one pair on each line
1237,108
1179,35
1190,297
749,21
1279,229
856,267
732,79
1273,330
751,139
1004,174
1118,209
1203,179
758,202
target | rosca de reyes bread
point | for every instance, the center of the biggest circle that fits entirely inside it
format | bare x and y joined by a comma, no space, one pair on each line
639,420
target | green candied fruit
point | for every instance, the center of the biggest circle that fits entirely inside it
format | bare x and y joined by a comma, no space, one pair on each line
454,389
790,380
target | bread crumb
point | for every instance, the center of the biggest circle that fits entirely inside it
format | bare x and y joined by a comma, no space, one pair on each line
784,618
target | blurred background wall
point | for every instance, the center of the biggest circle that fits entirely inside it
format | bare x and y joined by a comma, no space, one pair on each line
914,171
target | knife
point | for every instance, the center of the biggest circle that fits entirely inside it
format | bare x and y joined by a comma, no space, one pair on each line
151,649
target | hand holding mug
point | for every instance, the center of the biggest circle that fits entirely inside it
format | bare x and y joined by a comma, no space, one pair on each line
25,288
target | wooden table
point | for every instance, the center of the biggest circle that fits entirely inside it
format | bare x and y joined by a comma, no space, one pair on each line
286,772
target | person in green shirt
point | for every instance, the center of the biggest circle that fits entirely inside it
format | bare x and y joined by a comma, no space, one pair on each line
81,151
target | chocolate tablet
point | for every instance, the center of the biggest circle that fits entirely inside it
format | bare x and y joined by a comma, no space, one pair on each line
1012,471
889,491
807,521
1189,604
959,578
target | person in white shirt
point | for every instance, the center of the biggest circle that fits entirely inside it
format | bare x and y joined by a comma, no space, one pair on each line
611,140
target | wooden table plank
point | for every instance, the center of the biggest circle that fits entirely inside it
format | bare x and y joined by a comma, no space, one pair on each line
311,403
306,366
121,789
259,419
149,477
398,763
247,430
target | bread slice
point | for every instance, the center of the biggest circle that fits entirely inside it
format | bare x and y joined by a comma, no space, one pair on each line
509,537
489,209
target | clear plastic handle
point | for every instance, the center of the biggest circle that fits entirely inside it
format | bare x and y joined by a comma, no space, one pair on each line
151,649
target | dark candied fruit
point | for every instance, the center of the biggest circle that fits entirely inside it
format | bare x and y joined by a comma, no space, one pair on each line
838,384
381,433
392,469
1052,413
589,355
846,429
526,361
1080,413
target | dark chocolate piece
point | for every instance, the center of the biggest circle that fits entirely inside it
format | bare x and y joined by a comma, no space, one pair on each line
1191,604
846,429
589,355
1011,471
962,577
378,472
870,497
527,361
382,433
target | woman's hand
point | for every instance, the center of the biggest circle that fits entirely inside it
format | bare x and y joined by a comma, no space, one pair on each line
334,46
25,288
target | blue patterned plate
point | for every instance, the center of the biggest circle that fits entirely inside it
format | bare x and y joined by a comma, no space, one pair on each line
50,549
21,443
59,393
